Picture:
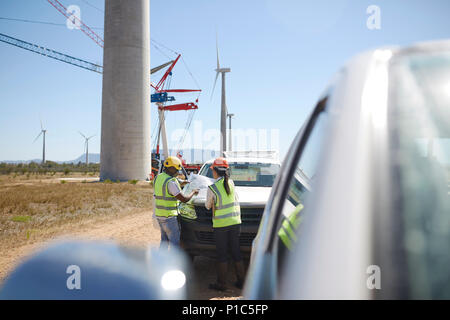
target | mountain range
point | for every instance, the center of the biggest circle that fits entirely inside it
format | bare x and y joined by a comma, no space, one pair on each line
190,155
93,158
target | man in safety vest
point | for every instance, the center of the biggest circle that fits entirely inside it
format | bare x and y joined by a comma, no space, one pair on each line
226,219
167,197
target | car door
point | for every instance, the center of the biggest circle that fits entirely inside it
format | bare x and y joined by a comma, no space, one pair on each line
284,210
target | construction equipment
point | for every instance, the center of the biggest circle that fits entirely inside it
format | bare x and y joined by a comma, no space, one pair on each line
190,168
161,94
84,28
62,56
51,53
161,97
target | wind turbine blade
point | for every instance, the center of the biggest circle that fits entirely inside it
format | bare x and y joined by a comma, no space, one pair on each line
91,136
42,127
215,81
82,134
37,136
217,50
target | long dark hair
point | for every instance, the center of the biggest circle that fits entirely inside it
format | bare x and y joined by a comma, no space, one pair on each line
223,172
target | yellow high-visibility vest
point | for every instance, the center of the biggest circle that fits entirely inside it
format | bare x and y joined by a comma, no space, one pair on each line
289,226
166,205
227,212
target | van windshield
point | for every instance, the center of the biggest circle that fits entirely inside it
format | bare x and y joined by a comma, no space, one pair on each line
247,174
420,127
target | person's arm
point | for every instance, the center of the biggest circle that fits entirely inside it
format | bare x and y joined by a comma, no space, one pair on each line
182,182
180,196
210,199
174,189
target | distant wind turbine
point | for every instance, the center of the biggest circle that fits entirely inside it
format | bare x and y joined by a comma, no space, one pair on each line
43,131
223,113
86,145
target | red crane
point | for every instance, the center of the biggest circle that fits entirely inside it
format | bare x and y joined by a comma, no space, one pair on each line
88,31
160,97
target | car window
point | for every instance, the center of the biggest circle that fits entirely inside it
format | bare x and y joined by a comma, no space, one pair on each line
302,183
246,174
420,148
206,171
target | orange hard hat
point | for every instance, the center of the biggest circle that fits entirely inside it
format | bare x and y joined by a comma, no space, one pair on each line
220,162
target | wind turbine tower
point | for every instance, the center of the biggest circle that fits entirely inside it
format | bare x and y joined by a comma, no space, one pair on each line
86,146
43,132
230,138
223,109
125,139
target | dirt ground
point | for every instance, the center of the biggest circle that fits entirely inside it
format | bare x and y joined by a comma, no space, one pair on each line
128,227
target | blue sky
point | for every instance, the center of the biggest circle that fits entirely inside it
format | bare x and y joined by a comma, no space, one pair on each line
281,52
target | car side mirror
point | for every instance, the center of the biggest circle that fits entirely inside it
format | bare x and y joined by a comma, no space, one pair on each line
100,270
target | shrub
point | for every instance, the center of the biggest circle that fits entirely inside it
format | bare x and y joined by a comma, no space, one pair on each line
21,218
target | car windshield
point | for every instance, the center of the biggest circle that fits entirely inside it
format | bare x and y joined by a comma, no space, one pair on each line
246,174
420,129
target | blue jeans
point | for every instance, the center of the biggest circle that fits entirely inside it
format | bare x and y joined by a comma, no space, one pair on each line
170,231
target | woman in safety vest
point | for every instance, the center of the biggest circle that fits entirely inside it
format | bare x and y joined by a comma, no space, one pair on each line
226,218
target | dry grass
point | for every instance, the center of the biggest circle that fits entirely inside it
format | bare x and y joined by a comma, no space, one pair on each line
29,178
39,205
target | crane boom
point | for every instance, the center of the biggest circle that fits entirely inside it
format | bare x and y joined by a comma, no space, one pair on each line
51,53
155,69
61,56
86,30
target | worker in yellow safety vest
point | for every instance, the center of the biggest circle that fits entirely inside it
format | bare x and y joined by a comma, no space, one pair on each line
288,230
226,221
168,195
